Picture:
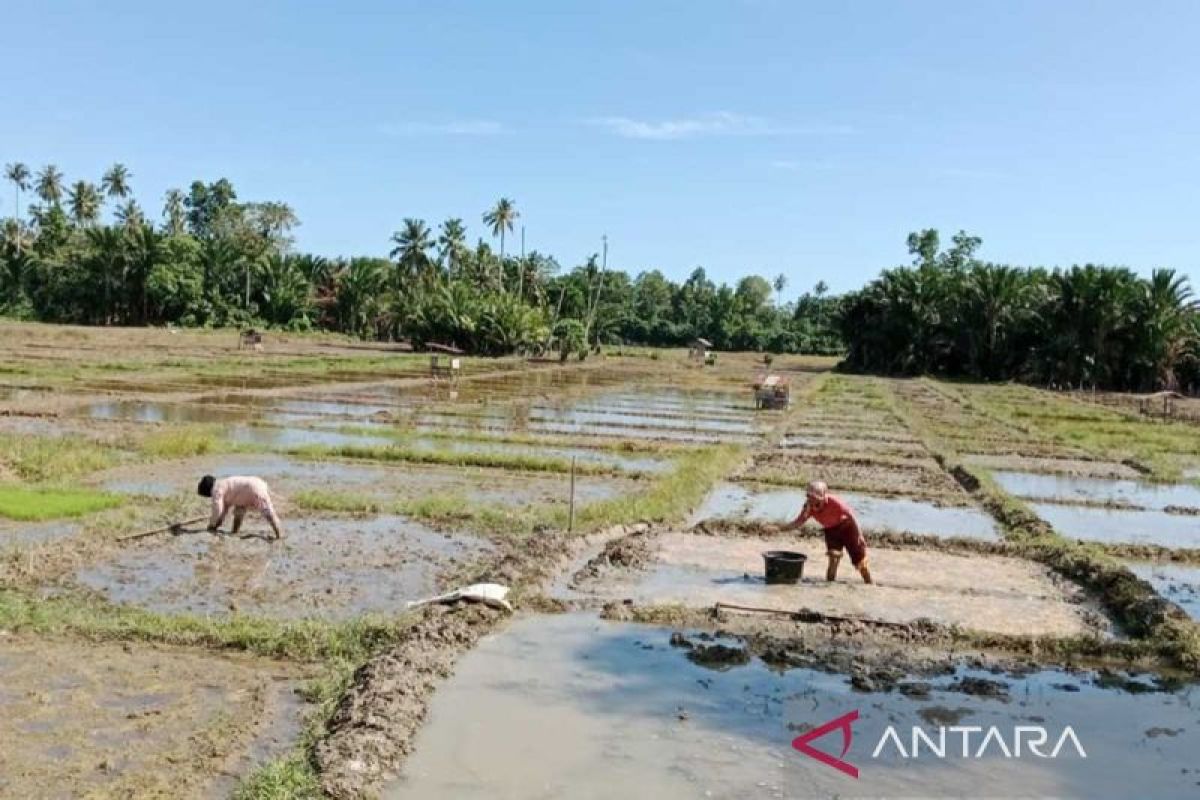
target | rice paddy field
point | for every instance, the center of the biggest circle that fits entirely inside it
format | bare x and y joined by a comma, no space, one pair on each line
1036,557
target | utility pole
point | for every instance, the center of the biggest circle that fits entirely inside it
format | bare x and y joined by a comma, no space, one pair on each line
521,269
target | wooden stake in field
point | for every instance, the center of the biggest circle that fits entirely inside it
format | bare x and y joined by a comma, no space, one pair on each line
571,514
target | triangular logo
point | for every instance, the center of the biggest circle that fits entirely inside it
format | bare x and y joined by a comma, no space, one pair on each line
803,743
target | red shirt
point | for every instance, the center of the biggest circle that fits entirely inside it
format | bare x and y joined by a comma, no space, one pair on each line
829,515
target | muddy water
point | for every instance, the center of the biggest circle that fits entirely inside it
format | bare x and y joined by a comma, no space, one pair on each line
146,411
329,568
1179,583
1139,493
21,534
1121,526
732,500
287,437
615,418
568,706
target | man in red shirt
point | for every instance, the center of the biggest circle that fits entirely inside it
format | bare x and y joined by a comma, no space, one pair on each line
841,529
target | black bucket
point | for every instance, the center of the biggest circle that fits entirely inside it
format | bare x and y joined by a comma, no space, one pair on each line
784,566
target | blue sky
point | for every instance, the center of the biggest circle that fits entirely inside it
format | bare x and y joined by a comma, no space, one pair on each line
797,137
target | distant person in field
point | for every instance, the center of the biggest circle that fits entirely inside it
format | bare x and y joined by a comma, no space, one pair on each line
241,494
841,529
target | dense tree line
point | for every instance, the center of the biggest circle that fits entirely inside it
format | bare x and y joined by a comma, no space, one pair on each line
1088,326
211,259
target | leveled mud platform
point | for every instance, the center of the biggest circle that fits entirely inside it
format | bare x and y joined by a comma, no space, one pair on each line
106,720
979,592
568,706
327,567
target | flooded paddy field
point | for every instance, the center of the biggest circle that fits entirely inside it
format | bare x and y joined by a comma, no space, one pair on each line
1179,583
742,501
395,487
290,477
628,710
1101,491
1121,526
326,567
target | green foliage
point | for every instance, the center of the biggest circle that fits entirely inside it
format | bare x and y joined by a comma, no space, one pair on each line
216,260
196,440
52,458
1088,326
29,504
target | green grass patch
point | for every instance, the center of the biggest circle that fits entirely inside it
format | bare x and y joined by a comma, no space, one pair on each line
339,502
41,459
416,455
307,640
192,440
33,504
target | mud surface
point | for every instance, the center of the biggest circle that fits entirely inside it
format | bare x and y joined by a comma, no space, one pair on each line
331,568
614,710
984,593
129,721
775,504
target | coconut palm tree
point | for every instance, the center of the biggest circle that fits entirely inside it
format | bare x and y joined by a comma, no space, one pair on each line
129,214
411,252
85,202
50,185
115,182
18,174
173,212
780,283
452,239
501,219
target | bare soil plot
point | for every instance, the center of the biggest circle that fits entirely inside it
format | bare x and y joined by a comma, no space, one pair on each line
109,720
327,567
981,592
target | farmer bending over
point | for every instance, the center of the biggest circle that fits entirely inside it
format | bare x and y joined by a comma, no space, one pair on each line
240,494
841,529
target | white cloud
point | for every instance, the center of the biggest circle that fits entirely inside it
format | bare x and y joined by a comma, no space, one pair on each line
466,127
719,123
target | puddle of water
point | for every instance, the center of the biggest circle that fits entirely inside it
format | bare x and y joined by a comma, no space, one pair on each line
328,568
730,500
147,411
14,534
1179,583
1147,495
301,437
1120,526
612,710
